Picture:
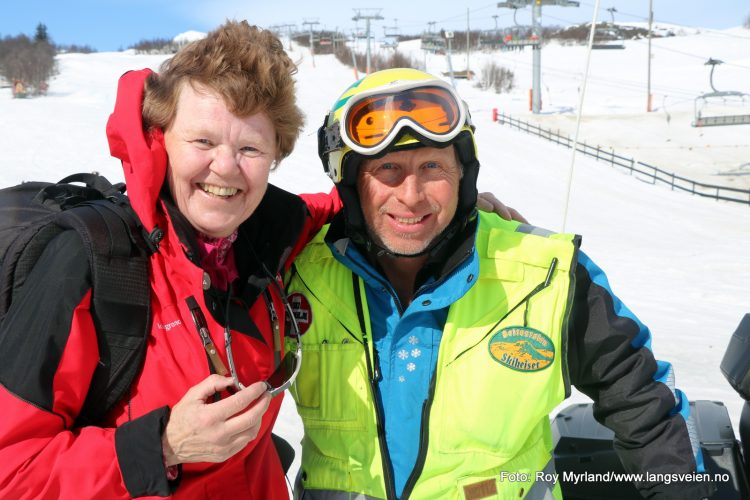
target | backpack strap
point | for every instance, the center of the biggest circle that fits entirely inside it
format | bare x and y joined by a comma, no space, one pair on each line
121,298
96,182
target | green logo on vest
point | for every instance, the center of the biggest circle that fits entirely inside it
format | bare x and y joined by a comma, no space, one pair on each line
522,349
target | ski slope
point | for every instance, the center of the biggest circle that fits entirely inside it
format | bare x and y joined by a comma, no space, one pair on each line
680,262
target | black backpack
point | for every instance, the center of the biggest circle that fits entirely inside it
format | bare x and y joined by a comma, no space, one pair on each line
33,213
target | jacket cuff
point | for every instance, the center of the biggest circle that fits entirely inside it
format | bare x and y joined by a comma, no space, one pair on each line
140,456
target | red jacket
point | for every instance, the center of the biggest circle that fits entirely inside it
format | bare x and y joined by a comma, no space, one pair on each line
44,378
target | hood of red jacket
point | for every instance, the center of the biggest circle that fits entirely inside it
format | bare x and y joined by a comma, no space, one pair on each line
143,155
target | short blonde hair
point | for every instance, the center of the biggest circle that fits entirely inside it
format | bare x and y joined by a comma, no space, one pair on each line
246,66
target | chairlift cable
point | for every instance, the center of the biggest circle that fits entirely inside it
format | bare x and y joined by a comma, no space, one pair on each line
578,118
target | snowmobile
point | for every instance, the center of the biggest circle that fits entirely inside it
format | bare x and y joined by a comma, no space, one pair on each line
589,469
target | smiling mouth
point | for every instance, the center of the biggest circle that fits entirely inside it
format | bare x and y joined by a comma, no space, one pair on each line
219,191
408,220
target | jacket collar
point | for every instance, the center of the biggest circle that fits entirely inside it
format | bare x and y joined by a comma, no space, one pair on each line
264,241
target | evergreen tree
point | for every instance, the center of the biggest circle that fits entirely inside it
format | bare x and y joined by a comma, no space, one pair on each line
41,34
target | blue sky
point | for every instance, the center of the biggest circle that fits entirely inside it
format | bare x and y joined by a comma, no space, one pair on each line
116,24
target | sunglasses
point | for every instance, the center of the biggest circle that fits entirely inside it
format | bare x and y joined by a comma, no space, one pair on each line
286,370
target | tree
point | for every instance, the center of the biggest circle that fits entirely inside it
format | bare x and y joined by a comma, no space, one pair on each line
747,22
41,34
27,61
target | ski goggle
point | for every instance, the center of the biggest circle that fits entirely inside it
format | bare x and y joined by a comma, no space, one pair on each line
372,120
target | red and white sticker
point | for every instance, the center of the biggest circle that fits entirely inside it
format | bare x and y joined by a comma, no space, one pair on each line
302,311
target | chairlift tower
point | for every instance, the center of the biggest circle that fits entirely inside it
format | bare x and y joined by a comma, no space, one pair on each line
536,19
311,23
338,38
368,15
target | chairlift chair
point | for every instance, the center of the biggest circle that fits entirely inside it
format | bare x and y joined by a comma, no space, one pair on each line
491,39
608,36
518,35
433,42
728,107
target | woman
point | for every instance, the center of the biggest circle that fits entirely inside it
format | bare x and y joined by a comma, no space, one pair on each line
197,142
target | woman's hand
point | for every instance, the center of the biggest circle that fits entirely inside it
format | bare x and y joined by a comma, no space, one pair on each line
487,202
199,431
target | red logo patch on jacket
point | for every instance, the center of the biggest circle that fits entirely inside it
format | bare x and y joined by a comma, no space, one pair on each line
302,311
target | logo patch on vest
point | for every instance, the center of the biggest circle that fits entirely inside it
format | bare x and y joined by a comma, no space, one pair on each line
522,349
482,489
302,311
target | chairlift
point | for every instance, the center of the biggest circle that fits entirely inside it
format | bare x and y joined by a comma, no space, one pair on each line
728,107
490,39
608,36
389,43
518,36
433,42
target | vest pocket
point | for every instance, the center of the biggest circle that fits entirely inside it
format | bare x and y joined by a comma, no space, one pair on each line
529,475
504,406
330,388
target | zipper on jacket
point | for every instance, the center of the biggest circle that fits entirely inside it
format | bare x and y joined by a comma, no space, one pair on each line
566,318
390,488
424,440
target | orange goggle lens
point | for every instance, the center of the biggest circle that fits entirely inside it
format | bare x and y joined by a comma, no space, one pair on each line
432,109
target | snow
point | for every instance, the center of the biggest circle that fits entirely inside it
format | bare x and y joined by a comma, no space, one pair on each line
680,262
189,36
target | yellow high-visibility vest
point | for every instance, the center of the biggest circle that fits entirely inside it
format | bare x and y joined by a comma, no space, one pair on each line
487,425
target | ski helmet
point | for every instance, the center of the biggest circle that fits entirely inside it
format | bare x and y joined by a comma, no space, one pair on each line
392,110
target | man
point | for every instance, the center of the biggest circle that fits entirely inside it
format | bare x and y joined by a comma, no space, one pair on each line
437,340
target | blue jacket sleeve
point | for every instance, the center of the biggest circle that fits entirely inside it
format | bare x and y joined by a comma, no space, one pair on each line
610,360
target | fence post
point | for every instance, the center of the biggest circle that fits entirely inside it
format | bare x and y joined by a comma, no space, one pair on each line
632,165
672,181
494,115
